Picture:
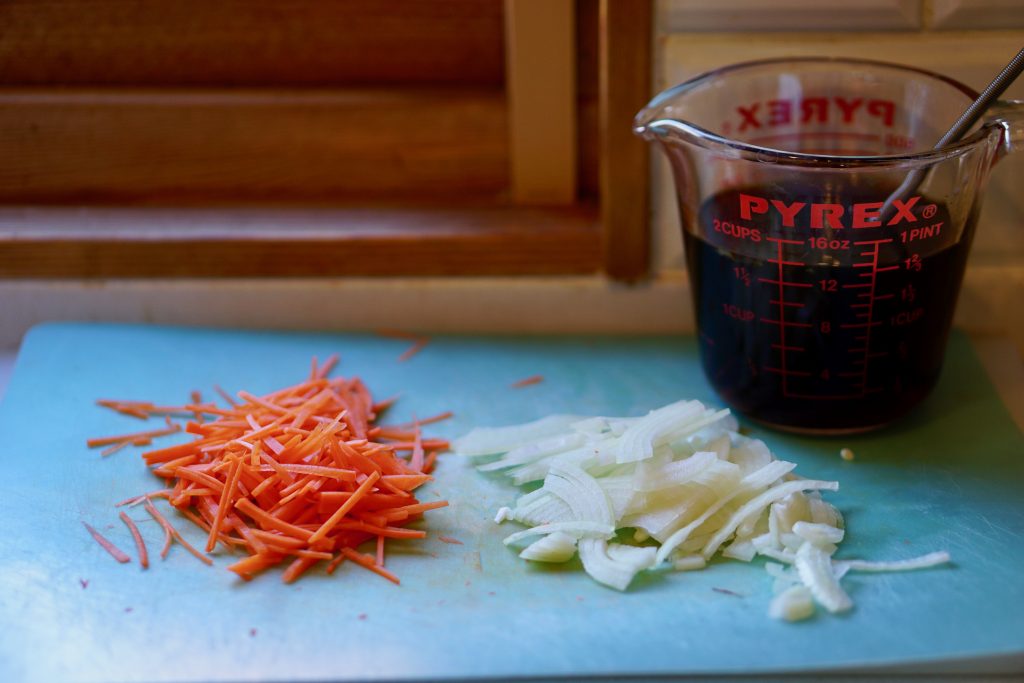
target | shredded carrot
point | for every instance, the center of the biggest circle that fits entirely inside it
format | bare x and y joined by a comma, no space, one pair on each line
110,440
140,544
295,476
114,551
162,521
369,563
226,396
110,450
449,539
416,347
135,500
527,381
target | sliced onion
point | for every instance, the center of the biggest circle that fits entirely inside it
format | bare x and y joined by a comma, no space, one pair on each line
815,570
555,547
574,529
680,476
792,604
484,441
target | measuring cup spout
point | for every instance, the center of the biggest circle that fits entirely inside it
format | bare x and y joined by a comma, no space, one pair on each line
660,121
1009,116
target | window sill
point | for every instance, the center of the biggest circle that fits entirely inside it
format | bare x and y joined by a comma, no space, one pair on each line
266,242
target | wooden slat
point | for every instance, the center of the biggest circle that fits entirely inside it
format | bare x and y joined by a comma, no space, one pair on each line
625,76
380,241
588,155
541,75
225,145
281,43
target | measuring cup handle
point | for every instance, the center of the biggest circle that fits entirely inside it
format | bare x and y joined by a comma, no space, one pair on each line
1009,115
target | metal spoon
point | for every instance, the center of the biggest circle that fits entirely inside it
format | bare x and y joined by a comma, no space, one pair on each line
963,124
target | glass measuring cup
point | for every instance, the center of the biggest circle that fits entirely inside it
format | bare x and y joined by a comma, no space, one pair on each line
817,309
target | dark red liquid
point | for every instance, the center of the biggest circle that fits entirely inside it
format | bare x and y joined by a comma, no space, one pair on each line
819,325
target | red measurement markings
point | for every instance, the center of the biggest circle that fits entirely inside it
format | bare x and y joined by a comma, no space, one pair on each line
780,302
866,311
786,372
782,283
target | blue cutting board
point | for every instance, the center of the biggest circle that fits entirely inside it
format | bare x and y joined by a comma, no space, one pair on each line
950,477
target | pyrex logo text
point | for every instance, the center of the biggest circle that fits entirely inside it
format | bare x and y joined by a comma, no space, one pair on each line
772,113
861,215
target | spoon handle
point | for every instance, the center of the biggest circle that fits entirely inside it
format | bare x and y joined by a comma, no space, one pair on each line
988,96
963,124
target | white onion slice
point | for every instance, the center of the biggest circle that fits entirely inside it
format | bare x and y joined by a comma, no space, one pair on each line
555,547
574,529
815,570
921,562
792,604
484,441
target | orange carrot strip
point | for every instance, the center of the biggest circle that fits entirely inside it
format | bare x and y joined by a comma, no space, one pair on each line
334,563
269,521
430,444
108,440
407,482
414,349
298,567
167,469
381,406
262,486
223,504
527,381
330,500
272,407
368,563
314,554
140,544
255,544
388,531
286,542
331,521
302,490
110,450
168,532
326,368
171,452
198,477
283,474
135,500
407,426
318,470
246,568
114,551
428,464
226,396
155,514
416,460
197,398
415,509
380,551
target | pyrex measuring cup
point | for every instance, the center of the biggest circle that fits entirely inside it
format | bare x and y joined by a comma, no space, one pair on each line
817,311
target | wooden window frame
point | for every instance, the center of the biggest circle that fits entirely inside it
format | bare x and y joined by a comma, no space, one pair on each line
546,229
